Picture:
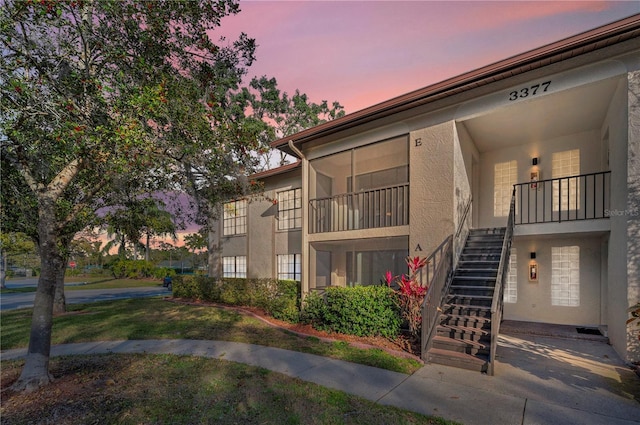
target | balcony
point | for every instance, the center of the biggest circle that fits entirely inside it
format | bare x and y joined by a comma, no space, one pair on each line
381,207
582,197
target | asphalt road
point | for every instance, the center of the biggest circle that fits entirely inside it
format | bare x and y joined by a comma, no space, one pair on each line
23,300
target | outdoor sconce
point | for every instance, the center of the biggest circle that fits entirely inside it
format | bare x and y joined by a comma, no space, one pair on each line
535,174
533,268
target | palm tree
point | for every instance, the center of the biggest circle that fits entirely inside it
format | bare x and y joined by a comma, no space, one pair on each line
137,218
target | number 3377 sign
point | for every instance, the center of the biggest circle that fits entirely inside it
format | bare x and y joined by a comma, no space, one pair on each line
529,91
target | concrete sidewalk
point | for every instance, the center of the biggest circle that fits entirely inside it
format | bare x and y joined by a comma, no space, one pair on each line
539,380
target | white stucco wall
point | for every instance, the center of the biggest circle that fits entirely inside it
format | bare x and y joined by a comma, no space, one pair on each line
534,298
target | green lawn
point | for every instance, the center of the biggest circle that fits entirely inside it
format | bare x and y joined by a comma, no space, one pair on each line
167,389
76,283
154,318
152,389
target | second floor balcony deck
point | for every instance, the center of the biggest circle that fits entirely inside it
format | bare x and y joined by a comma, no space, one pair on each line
367,209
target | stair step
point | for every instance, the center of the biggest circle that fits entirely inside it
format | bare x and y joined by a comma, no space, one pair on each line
471,297
488,229
467,310
465,330
474,278
461,360
477,270
464,316
475,322
455,287
467,263
458,346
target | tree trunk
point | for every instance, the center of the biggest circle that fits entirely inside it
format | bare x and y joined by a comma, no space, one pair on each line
3,269
35,372
59,300
147,248
213,255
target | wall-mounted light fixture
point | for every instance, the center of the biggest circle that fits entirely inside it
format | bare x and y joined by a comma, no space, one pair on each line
534,161
533,268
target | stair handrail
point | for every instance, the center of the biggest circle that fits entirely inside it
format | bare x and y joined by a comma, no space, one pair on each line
497,303
442,259
438,285
458,241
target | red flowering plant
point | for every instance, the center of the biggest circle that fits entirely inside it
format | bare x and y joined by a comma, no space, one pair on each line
410,293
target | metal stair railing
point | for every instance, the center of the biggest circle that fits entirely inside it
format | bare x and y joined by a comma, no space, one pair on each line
439,270
497,303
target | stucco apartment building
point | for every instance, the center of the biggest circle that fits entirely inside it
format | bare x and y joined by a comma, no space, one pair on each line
557,129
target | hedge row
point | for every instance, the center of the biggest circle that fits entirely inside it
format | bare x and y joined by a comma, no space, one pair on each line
138,269
279,298
359,310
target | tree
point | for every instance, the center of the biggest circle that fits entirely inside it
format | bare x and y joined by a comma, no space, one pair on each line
93,97
196,242
260,113
289,114
12,244
136,218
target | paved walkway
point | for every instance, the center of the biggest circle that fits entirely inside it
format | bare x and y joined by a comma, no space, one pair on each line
539,380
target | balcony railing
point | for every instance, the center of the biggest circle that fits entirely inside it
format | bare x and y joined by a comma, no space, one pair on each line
381,207
583,197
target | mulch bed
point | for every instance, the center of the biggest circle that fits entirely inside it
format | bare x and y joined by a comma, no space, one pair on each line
402,346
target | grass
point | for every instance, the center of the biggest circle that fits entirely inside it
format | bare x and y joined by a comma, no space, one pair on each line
152,389
75,283
110,283
168,389
153,318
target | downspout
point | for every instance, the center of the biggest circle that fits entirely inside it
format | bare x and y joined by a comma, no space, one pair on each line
295,150
305,277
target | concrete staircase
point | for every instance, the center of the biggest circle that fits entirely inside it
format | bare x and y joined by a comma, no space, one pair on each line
463,336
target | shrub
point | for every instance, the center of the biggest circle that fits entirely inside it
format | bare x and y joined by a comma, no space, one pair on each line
138,269
279,298
314,311
132,269
196,287
161,272
358,310
410,294
284,303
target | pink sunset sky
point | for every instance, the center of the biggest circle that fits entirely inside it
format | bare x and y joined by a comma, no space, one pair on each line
364,52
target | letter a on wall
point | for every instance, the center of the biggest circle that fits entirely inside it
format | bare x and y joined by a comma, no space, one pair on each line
418,248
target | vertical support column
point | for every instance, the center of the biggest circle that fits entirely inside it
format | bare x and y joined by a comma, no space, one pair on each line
431,217
632,211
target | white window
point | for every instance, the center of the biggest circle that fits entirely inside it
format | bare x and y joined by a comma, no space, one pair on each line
565,276
290,209
234,266
505,175
566,191
289,267
235,217
511,285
